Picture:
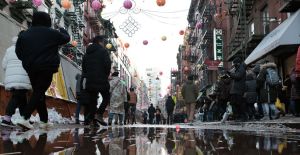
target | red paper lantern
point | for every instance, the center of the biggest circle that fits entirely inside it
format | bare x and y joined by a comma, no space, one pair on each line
199,25
74,43
126,45
186,68
145,42
127,4
218,17
181,32
160,73
37,2
96,5
66,4
160,2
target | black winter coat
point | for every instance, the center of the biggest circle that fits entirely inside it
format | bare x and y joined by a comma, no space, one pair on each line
170,105
96,65
250,93
222,89
238,77
151,111
37,48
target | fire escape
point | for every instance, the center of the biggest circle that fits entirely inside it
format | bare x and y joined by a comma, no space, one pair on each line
240,10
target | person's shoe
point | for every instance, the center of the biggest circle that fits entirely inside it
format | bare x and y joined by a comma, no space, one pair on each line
24,124
100,120
45,126
5,123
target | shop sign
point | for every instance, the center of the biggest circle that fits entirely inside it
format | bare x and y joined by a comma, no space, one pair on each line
218,45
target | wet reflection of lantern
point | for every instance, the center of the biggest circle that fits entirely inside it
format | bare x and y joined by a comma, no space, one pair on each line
177,128
126,45
160,2
127,4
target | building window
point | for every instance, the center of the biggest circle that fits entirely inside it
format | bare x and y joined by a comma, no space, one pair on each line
251,29
266,23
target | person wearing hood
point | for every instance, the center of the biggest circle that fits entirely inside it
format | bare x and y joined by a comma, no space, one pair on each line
38,49
267,93
189,93
117,99
238,86
16,81
96,66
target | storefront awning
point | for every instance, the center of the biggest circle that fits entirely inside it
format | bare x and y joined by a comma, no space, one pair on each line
287,33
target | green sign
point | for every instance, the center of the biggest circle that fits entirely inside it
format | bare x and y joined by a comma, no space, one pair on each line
218,45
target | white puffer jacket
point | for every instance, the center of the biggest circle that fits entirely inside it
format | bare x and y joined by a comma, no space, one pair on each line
15,75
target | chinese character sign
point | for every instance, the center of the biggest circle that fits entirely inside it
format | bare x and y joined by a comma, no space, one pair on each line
218,45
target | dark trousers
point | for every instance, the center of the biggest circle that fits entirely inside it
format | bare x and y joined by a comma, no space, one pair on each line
170,118
239,106
106,99
17,100
40,82
132,113
151,119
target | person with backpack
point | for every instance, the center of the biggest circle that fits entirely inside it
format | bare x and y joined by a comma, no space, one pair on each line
268,84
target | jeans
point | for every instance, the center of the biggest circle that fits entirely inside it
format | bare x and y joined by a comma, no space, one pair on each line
17,100
40,82
111,117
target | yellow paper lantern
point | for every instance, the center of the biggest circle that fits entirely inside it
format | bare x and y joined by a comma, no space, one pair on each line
66,4
108,46
163,38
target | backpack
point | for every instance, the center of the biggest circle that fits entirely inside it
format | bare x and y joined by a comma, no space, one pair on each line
272,77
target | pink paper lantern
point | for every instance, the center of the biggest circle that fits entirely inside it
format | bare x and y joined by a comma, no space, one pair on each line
181,32
199,25
127,4
37,2
96,5
145,42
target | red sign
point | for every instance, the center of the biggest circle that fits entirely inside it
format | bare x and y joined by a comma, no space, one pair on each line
212,64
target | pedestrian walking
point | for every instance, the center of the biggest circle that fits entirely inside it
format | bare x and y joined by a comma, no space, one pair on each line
37,48
170,108
145,116
238,86
96,66
269,85
132,103
16,81
157,115
250,94
78,91
295,92
189,93
126,108
117,99
151,112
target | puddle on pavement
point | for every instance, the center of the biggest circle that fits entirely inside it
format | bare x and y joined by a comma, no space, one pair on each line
147,141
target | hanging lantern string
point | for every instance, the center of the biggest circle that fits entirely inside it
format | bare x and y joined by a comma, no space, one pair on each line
177,11
108,13
158,20
110,16
174,17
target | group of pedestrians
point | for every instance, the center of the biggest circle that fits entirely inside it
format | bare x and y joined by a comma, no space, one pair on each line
250,92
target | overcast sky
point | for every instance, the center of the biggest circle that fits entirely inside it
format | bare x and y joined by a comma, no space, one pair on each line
153,23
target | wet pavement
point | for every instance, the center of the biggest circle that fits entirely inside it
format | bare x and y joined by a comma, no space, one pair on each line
148,140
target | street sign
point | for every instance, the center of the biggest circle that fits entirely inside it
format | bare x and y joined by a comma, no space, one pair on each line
218,45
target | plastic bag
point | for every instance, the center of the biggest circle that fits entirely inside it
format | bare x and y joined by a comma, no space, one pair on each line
279,105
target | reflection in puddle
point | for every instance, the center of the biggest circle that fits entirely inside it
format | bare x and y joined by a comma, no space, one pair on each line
146,141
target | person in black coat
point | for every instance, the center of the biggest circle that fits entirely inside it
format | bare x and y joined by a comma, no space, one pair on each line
250,94
170,108
151,112
96,66
238,76
37,48
78,91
